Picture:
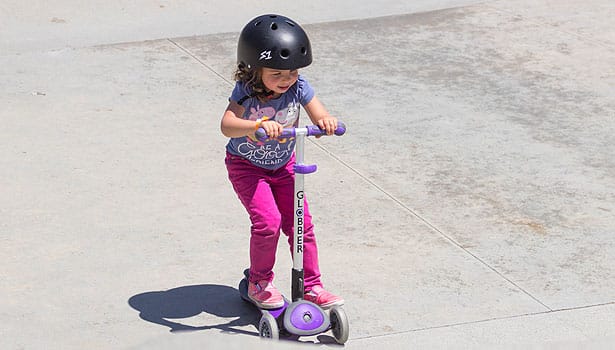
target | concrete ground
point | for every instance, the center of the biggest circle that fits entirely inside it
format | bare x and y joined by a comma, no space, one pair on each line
470,205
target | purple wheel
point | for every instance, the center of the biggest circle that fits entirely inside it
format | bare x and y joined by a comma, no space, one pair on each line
305,318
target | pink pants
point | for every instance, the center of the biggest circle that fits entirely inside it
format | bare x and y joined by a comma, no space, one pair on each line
268,196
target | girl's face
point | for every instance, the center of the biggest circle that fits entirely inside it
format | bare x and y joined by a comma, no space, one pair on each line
279,81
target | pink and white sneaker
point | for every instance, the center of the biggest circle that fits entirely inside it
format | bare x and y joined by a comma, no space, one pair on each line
265,295
319,296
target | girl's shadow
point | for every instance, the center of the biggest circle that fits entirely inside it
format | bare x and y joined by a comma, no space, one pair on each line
162,307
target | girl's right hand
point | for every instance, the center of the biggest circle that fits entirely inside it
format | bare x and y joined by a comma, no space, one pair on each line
273,128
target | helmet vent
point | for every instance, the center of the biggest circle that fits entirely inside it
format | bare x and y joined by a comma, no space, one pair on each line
274,26
285,53
290,23
257,23
303,50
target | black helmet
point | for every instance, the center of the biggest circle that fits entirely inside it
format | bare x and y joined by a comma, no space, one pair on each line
273,41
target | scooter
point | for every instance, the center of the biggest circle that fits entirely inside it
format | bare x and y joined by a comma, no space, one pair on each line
299,317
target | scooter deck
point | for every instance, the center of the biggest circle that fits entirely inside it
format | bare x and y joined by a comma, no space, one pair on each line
243,292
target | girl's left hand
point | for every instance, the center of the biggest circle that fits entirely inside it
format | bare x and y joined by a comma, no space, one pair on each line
328,124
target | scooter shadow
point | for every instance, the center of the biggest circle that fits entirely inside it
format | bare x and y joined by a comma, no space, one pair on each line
168,308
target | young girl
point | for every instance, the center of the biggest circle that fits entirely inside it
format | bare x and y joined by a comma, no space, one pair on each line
268,94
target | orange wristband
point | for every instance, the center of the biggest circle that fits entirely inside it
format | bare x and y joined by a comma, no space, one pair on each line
259,121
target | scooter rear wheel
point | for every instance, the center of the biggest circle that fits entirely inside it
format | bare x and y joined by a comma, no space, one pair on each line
339,324
268,327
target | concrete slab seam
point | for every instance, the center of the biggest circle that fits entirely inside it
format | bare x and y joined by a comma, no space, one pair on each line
201,62
485,321
432,226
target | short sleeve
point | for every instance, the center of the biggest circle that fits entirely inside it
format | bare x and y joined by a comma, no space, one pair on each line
238,92
306,92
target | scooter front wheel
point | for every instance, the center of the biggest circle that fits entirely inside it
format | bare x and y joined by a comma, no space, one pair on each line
268,327
339,324
305,318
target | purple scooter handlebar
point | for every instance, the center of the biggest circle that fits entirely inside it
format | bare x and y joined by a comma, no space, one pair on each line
312,130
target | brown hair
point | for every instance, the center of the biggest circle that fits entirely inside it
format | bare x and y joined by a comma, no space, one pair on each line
253,80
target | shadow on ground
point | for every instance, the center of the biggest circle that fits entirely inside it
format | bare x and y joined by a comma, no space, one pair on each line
168,308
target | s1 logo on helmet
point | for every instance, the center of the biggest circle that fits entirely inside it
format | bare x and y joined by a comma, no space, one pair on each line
265,55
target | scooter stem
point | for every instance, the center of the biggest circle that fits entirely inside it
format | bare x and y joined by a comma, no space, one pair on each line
297,284
300,169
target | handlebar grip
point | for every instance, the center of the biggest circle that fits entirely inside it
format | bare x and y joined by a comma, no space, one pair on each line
341,129
312,130
261,134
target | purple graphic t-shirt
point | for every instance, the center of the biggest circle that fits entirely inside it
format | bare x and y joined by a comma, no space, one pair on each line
271,154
